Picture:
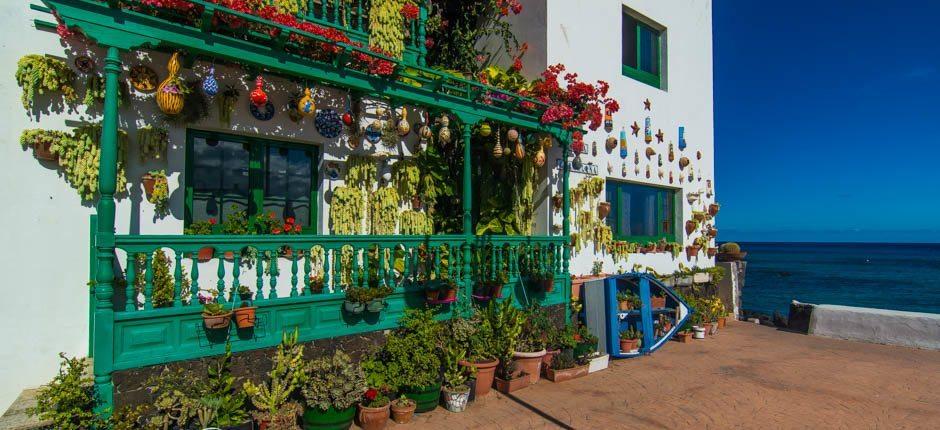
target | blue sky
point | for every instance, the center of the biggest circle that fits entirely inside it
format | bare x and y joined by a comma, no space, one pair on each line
827,120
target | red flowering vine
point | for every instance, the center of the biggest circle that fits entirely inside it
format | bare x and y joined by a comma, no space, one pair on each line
576,104
410,11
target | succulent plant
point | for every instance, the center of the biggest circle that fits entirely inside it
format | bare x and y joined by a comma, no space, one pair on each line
333,382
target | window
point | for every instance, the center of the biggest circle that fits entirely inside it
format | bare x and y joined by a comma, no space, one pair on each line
641,50
228,174
641,213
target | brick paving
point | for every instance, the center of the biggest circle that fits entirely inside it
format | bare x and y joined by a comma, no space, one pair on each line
746,377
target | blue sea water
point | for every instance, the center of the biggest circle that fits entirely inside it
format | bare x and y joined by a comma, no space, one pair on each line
888,276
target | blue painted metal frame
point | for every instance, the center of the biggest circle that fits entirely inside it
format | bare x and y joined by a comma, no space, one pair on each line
646,314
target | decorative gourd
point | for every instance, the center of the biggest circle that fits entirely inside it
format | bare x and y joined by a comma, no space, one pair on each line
519,151
485,129
209,85
305,105
539,157
171,92
512,135
403,127
683,162
258,96
444,134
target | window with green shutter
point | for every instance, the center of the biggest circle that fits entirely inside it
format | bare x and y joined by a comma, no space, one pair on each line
641,213
641,50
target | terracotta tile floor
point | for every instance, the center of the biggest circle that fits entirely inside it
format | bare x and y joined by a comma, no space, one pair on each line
746,377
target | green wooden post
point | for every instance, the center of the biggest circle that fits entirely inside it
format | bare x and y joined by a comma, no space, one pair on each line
422,50
104,275
565,222
467,200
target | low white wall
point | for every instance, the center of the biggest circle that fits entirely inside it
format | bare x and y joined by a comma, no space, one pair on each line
914,329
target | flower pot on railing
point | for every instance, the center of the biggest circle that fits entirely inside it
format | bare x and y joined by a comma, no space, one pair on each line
657,302
217,322
603,209
625,305
205,254
354,307
431,294
496,291
450,294
375,305
711,232
245,316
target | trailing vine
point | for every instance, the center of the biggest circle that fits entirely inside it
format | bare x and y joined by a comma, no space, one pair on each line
79,152
416,223
151,142
160,197
406,177
383,210
387,27
346,210
361,172
36,74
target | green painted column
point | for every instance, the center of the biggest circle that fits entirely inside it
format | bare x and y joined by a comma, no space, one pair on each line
422,37
467,200
104,243
565,222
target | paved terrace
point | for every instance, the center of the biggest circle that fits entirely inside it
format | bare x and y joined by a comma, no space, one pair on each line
748,376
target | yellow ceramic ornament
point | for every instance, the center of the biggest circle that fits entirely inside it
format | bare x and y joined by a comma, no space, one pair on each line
403,126
305,105
540,157
485,129
170,94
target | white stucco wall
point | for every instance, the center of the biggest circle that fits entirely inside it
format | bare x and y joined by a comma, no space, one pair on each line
585,36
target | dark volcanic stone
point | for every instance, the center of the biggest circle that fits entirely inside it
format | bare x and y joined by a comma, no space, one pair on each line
799,317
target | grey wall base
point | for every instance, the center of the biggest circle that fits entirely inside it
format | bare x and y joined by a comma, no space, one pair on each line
730,286
912,329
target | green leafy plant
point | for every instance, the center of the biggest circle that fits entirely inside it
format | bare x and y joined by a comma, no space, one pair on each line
68,401
200,227
563,360
272,398
160,197
631,333
455,375
37,74
151,143
218,403
411,352
333,382
501,325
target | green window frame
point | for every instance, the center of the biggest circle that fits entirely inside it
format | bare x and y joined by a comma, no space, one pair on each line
259,166
664,213
641,50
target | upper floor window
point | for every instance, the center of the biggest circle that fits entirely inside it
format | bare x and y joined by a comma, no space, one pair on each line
641,50
229,174
641,213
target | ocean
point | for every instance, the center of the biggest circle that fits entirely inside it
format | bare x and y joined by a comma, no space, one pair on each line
876,275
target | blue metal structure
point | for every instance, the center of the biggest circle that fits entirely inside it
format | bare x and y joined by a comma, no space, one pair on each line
676,312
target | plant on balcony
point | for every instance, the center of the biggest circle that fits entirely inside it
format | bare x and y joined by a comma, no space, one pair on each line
215,315
406,176
455,29
627,301
158,191
347,208
236,223
416,223
383,211
151,143
387,25
38,74
403,410
334,385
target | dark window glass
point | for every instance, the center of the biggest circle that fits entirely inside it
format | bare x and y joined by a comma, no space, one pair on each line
641,211
649,50
220,178
628,40
287,183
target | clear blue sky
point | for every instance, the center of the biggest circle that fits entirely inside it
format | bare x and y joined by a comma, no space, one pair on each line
827,120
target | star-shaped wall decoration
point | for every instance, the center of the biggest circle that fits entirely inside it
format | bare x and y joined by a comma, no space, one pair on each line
636,129
659,136
646,104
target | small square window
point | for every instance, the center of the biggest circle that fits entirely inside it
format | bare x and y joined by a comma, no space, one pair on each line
641,50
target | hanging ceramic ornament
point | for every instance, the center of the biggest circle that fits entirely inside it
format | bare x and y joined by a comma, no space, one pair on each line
373,132
672,155
444,133
545,141
403,127
519,152
636,170
691,175
610,168
497,148
623,143
512,135
143,78
661,173
647,130
650,152
659,160
683,162
485,129
670,176
305,105
636,157
623,169
262,113
682,143
610,144
608,121
698,155
169,96
681,179
209,85
539,158
594,148
700,175
258,96
328,123
647,172
577,164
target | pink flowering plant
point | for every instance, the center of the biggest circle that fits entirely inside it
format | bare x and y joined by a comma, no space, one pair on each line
210,304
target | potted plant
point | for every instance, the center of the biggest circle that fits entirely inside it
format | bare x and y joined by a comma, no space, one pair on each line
508,379
356,299
684,335
376,298
713,209
712,252
496,283
215,315
530,348
332,388
456,391
431,291
586,341
690,226
245,315
374,410
316,284
244,293
403,409
476,336
449,289
603,209
692,250
626,300
564,367
273,398
730,252
711,232
658,301
559,341
411,358
630,339
698,216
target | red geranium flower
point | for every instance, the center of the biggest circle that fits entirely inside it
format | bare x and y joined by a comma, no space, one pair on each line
517,64
371,394
212,221
276,230
410,11
289,220
296,228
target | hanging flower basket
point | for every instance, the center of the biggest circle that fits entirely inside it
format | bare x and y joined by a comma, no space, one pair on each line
431,294
603,209
217,322
42,150
354,308
149,182
375,305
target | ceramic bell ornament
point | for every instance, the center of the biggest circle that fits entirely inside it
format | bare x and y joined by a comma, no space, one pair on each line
636,157
659,160
386,172
305,105
647,172
661,173
636,170
681,179
348,117
698,155
700,175
608,121
403,127
610,168
485,129
209,85
672,155
623,143
670,177
647,130
169,97
444,133
497,148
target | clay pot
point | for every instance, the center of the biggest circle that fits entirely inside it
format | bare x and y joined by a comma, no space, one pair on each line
566,374
627,345
548,357
683,162
245,317
684,337
217,322
149,183
450,294
373,418
625,306
691,251
529,363
431,295
713,209
43,151
486,370
722,322
657,302
690,226
548,285
712,232
712,252
603,209
557,202
205,254
515,384
497,291
403,414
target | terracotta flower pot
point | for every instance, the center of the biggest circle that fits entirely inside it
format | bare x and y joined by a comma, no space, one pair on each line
708,328
557,202
515,384
548,285
684,337
530,363
245,317
566,374
712,252
713,209
548,357
206,254
625,306
403,414
603,209
690,226
149,182
431,295
416,202
657,302
627,345
486,370
722,322
217,322
373,418
691,251
450,294
42,150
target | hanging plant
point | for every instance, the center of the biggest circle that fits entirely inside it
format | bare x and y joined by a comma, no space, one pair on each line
210,86
151,143
37,74
78,154
143,79
195,106
416,223
361,172
383,210
171,94
406,176
347,209
226,105
387,27
158,191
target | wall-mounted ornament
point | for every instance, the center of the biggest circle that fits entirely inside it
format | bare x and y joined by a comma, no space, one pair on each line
700,175
210,86
650,152
672,155
610,144
647,104
698,155
647,172
497,148
594,148
709,191
444,133
692,197
170,97
659,136
262,113
691,175
519,150
683,162
610,168
576,163
661,173
332,170
647,130
373,132
623,143
636,129
636,157
681,179
258,96
403,126
306,105
682,143
84,64
659,160
485,129
328,123
670,177
623,169
608,121
143,78
636,170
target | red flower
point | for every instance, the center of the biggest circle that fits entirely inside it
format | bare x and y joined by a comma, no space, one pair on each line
517,65
271,215
371,394
289,220
429,43
276,230
296,228
212,221
410,11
